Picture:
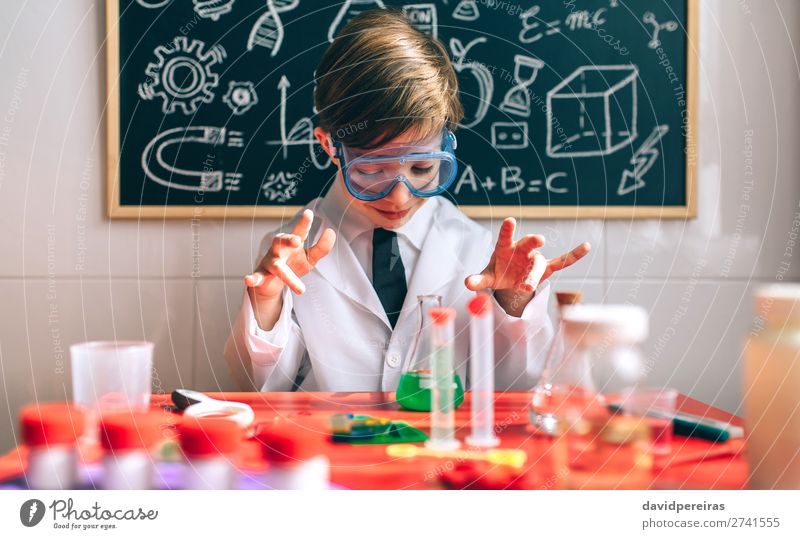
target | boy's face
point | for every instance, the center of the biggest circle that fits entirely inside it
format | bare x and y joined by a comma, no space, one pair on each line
396,208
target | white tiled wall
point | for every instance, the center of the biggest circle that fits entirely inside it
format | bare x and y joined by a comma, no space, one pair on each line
68,274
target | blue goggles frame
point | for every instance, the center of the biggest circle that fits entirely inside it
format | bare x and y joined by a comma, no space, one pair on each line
447,154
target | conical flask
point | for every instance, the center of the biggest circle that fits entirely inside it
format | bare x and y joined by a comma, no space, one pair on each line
564,375
414,388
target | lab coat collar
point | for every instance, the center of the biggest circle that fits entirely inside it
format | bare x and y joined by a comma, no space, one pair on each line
435,267
416,229
438,262
341,267
347,222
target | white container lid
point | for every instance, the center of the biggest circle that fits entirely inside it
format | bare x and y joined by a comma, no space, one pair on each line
594,323
780,301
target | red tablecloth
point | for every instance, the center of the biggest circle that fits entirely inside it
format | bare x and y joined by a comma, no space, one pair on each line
693,464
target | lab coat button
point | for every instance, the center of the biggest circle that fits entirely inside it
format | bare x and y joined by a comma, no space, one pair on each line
393,359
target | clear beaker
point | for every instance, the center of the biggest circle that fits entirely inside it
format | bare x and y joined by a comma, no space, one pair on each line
414,388
109,376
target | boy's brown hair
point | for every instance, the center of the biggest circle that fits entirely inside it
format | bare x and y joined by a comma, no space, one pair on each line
380,78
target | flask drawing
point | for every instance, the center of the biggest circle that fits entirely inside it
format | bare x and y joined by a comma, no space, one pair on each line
350,9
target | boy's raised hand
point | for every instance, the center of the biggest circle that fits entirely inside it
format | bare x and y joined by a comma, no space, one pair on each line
286,260
517,265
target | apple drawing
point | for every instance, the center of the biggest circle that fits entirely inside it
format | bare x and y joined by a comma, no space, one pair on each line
474,80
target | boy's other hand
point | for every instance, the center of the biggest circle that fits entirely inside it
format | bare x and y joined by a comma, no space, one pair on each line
516,266
286,260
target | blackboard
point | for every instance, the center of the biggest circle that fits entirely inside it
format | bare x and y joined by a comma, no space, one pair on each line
574,108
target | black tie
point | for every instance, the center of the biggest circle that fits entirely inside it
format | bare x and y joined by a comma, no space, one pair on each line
388,272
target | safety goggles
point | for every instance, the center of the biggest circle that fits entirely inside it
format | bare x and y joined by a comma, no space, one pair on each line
372,174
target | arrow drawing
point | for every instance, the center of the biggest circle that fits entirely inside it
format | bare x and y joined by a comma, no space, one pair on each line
642,161
301,134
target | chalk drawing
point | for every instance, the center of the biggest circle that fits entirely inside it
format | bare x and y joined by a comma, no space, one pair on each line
669,26
642,161
153,4
532,29
518,100
482,76
279,186
267,32
350,9
240,97
467,10
423,18
212,9
593,112
509,135
183,75
301,134
168,174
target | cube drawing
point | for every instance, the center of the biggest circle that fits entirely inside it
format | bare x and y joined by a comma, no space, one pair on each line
592,112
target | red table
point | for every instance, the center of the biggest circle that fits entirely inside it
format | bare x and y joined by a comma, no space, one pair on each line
694,464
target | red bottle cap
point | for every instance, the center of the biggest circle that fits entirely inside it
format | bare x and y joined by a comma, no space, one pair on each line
51,424
480,475
289,444
480,305
209,436
120,431
442,315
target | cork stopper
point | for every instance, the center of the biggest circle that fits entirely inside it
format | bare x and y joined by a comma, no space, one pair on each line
569,297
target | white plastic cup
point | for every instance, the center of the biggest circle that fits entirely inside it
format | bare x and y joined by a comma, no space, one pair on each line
110,376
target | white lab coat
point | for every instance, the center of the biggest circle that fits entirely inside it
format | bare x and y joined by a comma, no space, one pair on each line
336,336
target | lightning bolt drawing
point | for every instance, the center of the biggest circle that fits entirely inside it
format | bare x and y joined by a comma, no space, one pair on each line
642,161
33,511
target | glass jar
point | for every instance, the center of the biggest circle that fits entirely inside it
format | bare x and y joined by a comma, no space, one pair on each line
604,451
771,379
597,354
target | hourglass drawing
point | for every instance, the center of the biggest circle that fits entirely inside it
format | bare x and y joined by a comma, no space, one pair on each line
517,100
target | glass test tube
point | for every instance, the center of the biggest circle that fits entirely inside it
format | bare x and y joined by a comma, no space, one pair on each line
481,344
442,410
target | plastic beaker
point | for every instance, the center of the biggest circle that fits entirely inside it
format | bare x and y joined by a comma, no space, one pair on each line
110,376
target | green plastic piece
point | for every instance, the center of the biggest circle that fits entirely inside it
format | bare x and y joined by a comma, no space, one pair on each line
397,433
414,391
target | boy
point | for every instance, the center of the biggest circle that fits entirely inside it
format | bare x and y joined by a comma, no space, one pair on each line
332,303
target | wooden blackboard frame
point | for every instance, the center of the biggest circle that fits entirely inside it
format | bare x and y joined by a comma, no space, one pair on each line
117,211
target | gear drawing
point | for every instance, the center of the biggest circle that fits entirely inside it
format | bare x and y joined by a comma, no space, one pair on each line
240,97
183,75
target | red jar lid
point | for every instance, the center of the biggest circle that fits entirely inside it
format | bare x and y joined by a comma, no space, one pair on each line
51,423
125,430
480,305
209,436
287,443
441,315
